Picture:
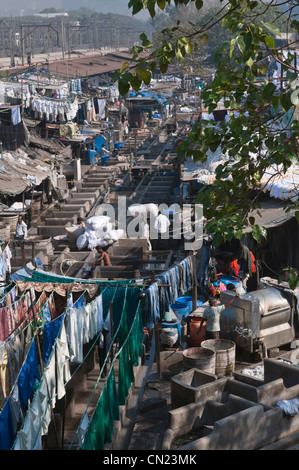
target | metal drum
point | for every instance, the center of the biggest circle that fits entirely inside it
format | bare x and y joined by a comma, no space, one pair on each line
199,358
196,336
225,352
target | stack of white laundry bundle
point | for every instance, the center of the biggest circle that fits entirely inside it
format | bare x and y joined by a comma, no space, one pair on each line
99,232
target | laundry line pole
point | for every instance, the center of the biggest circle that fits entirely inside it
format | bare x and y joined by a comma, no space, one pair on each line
157,337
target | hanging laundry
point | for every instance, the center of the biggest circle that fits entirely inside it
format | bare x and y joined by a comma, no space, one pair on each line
15,115
6,257
74,331
28,377
82,430
152,307
15,408
50,333
63,363
7,432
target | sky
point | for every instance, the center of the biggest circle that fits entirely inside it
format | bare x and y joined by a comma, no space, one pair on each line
26,7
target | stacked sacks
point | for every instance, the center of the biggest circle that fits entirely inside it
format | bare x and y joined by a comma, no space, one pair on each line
99,232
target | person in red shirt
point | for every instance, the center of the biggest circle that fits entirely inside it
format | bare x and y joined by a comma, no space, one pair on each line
234,268
253,268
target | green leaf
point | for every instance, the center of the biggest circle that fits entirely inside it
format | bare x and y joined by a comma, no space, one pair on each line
161,4
263,69
285,101
232,46
199,4
291,76
189,48
270,42
143,74
256,233
217,239
204,38
248,40
275,103
272,28
250,62
145,41
123,87
135,83
268,91
163,67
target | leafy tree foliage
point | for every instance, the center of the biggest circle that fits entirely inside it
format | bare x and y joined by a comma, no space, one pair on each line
251,140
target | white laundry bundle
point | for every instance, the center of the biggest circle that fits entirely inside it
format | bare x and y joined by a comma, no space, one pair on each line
97,222
82,241
103,230
114,235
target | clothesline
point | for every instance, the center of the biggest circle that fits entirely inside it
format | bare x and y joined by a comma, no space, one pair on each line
22,433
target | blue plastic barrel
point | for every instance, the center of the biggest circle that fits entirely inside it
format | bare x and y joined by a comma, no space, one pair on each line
90,157
189,301
180,309
104,160
98,142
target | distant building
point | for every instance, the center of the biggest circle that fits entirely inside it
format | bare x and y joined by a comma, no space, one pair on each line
51,15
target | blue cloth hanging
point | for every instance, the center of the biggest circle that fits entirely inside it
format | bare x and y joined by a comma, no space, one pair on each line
28,377
51,331
7,434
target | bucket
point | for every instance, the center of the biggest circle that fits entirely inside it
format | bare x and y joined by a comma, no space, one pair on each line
90,157
104,160
189,301
197,337
225,351
199,358
180,310
170,332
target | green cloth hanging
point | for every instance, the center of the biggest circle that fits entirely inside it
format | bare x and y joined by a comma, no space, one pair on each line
107,410
131,346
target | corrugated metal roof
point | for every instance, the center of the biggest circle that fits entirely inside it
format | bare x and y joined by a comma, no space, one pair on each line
272,214
19,172
88,66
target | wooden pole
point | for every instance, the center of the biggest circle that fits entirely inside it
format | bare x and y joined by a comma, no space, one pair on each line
157,337
194,298
23,252
157,349
111,329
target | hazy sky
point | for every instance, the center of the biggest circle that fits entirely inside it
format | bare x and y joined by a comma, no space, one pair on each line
25,7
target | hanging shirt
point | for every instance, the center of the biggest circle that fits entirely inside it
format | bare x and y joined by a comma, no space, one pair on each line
6,257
